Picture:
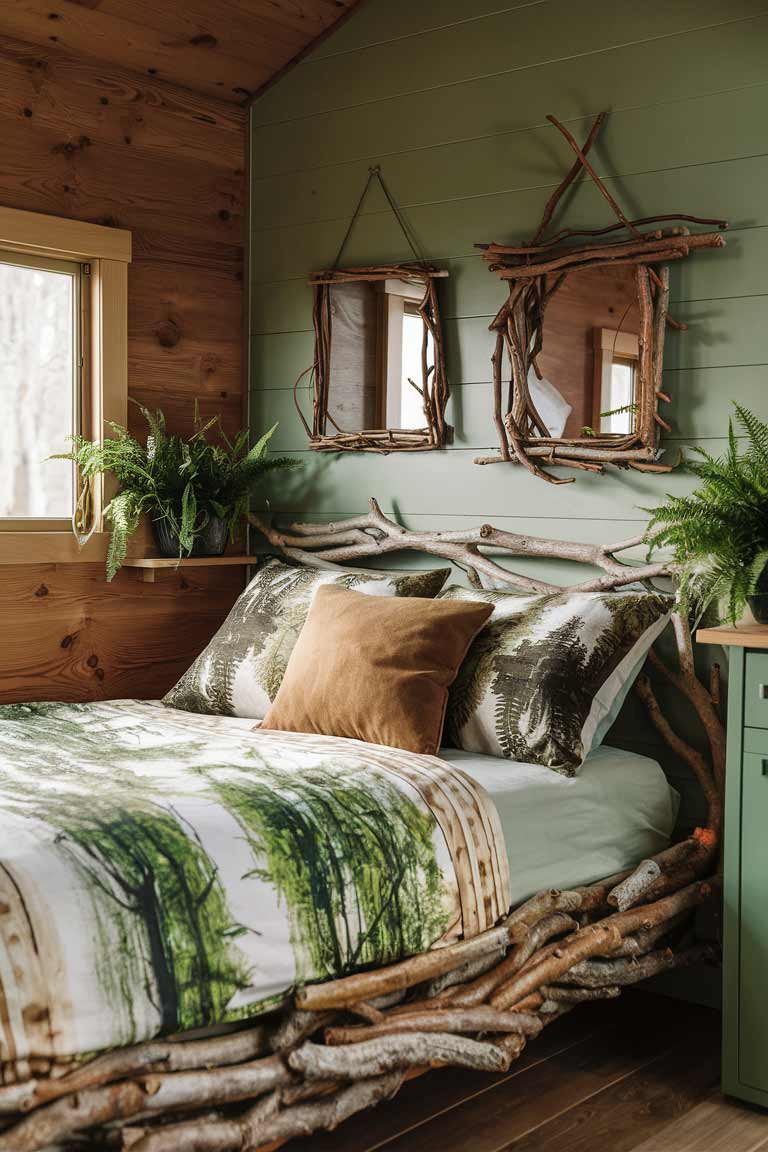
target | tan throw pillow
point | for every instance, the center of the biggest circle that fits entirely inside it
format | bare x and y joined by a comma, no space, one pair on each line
375,669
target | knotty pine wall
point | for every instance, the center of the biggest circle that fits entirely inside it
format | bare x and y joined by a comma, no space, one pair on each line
86,141
451,100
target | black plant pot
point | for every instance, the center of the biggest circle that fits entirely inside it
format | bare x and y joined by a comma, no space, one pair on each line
211,542
758,604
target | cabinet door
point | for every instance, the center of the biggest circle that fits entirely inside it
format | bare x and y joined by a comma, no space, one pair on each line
753,999
756,690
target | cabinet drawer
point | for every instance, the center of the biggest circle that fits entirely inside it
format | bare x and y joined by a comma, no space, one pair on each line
756,740
753,932
756,690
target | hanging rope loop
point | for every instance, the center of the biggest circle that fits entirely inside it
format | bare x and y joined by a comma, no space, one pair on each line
374,173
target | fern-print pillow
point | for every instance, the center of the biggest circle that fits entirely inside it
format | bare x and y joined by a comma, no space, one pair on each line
546,676
240,671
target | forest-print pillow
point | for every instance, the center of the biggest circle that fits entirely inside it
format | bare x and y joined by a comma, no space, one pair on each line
240,671
546,676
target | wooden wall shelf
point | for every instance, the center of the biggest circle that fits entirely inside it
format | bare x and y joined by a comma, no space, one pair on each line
745,636
149,565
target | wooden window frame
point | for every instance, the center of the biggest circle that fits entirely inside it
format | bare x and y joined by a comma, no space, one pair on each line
107,251
610,345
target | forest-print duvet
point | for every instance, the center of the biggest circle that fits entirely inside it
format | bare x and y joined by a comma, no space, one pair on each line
161,871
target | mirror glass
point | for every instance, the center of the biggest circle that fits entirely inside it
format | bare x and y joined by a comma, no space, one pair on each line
589,357
378,338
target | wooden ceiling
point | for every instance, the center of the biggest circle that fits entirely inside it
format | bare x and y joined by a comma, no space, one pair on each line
225,48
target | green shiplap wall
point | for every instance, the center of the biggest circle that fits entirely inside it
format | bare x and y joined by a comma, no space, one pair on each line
451,100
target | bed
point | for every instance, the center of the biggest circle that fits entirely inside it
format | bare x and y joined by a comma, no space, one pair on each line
618,810
215,936
162,871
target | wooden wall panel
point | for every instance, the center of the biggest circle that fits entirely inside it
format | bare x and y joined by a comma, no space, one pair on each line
452,104
98,144
68,635
227,49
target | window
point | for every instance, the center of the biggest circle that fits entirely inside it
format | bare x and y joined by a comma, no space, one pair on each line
379,338
408,404
402,405
63,371
41,345
617,355
621,396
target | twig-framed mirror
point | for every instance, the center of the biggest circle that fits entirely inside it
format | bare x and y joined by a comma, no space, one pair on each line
585,388
378,377
379,372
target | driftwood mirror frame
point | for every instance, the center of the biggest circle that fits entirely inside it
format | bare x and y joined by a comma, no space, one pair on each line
533,273
434,384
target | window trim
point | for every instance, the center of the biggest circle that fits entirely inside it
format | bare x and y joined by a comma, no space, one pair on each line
108,252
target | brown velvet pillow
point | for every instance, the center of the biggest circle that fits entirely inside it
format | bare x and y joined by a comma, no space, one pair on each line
375,668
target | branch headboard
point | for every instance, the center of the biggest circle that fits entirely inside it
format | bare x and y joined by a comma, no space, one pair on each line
374,535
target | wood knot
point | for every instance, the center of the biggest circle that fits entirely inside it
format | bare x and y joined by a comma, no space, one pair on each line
168,333
92,661
99,673
41,591
69,147
225,214
68,641
204,40
486,530
34,1013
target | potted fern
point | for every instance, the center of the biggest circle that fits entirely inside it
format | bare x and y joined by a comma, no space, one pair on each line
196,491
719,534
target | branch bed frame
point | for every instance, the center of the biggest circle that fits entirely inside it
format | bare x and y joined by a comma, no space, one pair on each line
347,1044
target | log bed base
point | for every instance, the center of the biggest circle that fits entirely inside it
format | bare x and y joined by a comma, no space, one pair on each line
343,1046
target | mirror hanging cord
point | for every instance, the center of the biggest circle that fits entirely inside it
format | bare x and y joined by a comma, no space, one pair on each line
375,173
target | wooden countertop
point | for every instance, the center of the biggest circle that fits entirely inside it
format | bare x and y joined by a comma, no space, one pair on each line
744,636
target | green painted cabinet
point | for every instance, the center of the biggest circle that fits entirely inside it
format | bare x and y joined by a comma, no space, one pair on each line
745,936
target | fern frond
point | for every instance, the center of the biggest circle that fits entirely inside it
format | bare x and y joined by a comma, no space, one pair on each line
260,447
123,513
756,570
183,482
719,534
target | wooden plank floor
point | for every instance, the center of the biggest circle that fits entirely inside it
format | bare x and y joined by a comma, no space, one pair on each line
638,1075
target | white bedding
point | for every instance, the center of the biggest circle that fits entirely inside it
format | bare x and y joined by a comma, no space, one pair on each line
561,831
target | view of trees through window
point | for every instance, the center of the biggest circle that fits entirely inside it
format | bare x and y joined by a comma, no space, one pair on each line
411,403
37,390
